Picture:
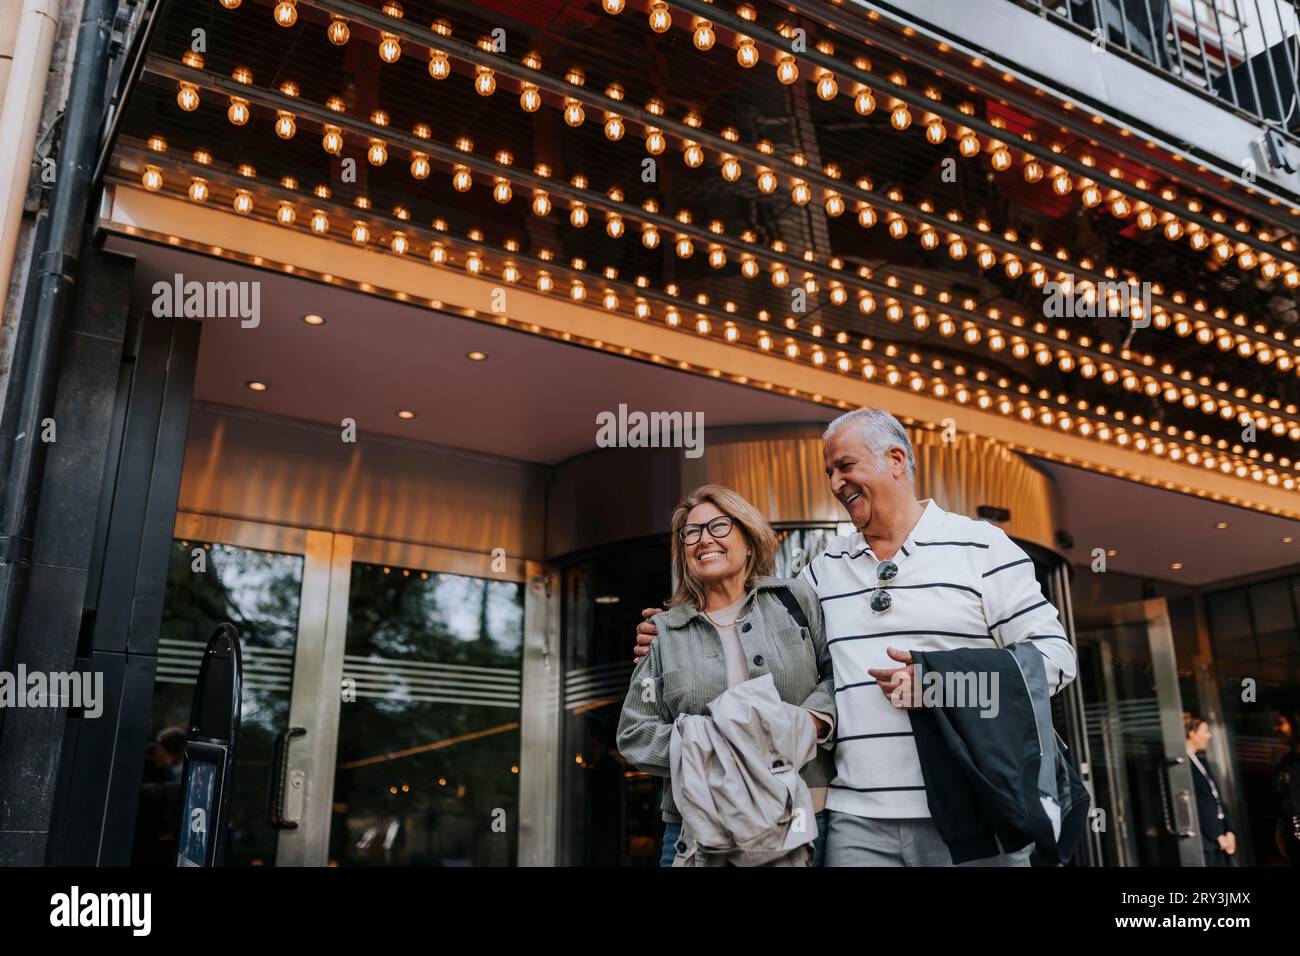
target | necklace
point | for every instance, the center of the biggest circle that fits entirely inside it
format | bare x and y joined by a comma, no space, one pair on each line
732,623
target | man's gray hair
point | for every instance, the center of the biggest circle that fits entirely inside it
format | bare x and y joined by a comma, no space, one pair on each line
881,431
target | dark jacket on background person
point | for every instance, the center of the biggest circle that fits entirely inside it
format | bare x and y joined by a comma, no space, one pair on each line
1211,812
1003,778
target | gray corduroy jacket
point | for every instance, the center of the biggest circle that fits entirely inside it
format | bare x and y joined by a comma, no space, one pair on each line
686,669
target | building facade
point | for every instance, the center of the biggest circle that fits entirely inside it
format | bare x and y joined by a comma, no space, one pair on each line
355,326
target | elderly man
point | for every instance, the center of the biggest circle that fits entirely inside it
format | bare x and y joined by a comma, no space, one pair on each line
914,578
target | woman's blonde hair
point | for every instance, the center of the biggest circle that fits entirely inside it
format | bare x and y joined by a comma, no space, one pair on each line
748,520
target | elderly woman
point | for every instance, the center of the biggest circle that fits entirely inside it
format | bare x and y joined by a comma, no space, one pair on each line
728,622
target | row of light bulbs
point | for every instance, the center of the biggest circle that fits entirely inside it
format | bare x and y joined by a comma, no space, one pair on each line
1001,159
996,341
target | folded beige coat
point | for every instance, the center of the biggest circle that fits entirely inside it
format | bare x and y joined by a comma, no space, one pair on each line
736,783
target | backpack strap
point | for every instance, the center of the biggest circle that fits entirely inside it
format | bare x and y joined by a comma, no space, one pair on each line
792,605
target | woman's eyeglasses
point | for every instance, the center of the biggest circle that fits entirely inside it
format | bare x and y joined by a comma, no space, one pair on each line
719,527
882,600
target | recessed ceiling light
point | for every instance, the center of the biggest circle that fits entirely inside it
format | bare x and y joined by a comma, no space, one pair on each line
1288,539
313,318
256,386
1176,566
1111,553
1221,525
607,599
476,356
406,413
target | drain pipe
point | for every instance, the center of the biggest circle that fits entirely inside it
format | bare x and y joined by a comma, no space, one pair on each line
20,119
50,289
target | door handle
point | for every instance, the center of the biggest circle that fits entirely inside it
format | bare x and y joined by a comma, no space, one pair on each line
286,789
1178,803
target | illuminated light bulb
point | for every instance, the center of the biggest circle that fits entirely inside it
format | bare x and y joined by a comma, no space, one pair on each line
187,97
461,180
801,193
1270,270
578,215
947,327
749,267
377,154
399,244
835,205
1020,349
577,291
787,70
1001,159
936,132
438,255
338,31
866,303
1033,171
655,142
1091,195
704,35
231,4
285,214
649,237
473,263
613,7
1223,251
717,257
900,117
440,67
672,317
969,145
642,309
320,223
997,342
684,248
1120,207
866,217
986,259
609,300
921,321
971,335
827,88
1199,240
661,19
238,113
957,248
574,113
285,126
510,273
1247,260
332,141
897,228
766,181
693,155
420,167
731,169
485,81
501,191
929,239
286,13
1146,219
864,103
243,202
894,312
780,277
1061,183
747,53
614,225
198,190
390,48
152,179
1014,268
614,128
530,99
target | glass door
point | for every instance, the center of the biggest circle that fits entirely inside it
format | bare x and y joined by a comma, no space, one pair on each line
1143,801
427,769
266,581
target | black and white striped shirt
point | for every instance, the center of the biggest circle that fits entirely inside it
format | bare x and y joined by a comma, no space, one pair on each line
961,583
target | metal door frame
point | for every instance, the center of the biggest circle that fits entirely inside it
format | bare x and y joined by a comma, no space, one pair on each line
1180,809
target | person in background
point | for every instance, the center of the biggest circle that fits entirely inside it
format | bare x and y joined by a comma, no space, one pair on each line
1217,839
1286,788
729,621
